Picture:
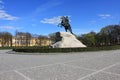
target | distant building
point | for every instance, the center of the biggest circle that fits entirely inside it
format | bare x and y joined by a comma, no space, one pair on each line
22,40
34,41
43,42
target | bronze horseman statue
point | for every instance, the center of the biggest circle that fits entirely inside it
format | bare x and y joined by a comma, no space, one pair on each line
65,23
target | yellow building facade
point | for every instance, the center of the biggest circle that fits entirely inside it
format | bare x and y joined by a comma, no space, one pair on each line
33,42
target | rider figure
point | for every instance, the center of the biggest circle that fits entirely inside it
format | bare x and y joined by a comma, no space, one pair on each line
65,23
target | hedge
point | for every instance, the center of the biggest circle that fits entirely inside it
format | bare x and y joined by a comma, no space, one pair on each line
54,50
4,48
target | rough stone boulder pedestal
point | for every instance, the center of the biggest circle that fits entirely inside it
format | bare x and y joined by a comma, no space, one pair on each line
66,40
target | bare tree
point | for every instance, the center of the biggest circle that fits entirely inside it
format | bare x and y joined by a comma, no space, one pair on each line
23,39
6,39
28,38
42,40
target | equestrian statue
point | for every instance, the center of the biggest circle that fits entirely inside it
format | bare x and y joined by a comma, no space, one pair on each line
65,23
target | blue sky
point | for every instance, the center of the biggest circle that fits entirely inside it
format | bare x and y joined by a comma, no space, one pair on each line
42,16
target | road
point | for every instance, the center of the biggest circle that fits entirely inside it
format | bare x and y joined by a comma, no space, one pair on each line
101,65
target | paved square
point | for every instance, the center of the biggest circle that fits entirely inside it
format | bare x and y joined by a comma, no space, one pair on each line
55,72
102,65
11,76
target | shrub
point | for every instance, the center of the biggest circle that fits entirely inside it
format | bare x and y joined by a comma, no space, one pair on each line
64,50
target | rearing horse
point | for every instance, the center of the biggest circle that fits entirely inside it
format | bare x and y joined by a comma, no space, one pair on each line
65,23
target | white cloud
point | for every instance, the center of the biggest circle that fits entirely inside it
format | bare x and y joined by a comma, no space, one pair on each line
104,16
6,16
54,20
9,27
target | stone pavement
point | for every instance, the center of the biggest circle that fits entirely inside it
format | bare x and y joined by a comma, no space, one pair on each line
102,65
